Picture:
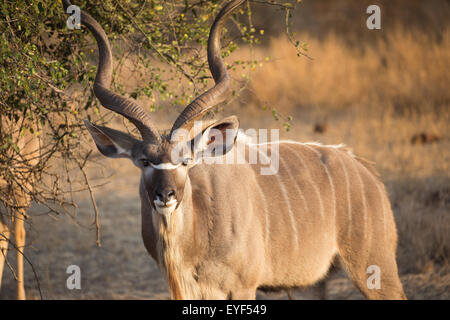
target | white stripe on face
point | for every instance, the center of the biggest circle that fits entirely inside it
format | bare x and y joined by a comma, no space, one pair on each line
165,166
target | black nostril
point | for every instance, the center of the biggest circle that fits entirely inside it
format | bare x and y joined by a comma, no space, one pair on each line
165,195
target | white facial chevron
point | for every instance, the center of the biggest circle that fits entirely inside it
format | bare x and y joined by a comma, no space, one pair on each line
165,166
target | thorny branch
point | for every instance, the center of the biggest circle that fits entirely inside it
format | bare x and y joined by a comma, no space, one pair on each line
81,165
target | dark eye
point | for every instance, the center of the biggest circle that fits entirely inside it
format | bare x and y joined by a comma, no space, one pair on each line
145,162
186,161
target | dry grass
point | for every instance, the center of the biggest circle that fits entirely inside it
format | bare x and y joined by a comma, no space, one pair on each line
406,71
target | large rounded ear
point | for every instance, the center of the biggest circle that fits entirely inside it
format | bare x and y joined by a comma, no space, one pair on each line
218,138
111,143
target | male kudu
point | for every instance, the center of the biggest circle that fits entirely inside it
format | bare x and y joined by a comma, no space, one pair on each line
224,230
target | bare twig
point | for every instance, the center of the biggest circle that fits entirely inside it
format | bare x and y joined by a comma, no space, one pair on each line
91,194
38,283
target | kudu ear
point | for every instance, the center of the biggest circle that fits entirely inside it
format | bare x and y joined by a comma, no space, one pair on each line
219,138
111,143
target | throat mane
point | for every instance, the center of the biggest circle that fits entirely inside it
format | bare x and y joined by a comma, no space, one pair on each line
182,285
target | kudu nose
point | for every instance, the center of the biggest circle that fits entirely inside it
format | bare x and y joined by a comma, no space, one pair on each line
165,195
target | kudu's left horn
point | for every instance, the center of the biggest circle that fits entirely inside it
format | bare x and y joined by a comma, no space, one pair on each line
125,106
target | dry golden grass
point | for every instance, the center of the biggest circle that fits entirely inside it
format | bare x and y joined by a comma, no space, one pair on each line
405,71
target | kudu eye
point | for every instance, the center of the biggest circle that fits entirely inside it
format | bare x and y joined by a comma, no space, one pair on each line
145,162
186,161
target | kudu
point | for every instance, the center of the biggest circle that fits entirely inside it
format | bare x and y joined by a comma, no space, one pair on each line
224,230
13,218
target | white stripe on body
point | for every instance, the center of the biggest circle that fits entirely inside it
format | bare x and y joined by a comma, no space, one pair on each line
266,212
347,185
383,205
363,196
288,203
242,138
299,157
330,178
